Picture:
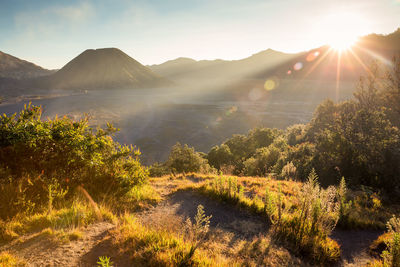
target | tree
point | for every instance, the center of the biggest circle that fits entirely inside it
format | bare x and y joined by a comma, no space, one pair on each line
185,159
220,156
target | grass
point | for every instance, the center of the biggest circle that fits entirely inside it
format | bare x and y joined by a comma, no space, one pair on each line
136,199
285,216
66,219
9,260
364,209
152,247
170,246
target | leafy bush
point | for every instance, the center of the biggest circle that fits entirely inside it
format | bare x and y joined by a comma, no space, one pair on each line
263,161
41,159
186,159
220,156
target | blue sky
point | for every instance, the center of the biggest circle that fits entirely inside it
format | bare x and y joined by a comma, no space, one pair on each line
50,33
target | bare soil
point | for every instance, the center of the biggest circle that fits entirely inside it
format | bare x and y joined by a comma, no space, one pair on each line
354,245
41,250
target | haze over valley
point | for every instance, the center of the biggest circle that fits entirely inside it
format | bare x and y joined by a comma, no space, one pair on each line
200,103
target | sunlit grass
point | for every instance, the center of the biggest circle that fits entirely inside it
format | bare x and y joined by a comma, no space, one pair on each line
65,219
9,260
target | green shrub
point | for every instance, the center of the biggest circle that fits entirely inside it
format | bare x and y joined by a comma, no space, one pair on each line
186,159
40,160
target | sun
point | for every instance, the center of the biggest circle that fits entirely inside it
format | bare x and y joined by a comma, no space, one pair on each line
341,29
342,44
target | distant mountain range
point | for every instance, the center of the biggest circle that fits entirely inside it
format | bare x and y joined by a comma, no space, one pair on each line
110,68
317,64
15,68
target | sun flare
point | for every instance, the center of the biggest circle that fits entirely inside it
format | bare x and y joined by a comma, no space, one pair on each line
341,29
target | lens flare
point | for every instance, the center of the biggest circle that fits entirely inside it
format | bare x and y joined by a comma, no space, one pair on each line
298,66
312,56
269,85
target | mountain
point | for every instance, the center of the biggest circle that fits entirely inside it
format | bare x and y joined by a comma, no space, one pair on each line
185,70
105,68
316,64
15,68
324,63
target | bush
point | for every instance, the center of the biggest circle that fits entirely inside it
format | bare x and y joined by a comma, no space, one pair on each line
263,161
391,256
289,171
40,159
186,159
220,156
307,227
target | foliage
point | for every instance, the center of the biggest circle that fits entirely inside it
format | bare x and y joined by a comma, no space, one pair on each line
307,228
10,260
358,139
289,171
186,159
105,261
262,162
391,256
220,156
295,134
42,160
196,232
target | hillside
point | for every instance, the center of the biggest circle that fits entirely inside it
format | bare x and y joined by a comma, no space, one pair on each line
103,68
15,68
316,64
186,69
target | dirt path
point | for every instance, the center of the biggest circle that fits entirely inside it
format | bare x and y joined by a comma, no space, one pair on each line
39,250
183,204
354,245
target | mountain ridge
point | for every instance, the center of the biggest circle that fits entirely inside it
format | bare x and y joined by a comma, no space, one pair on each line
104,68
15,68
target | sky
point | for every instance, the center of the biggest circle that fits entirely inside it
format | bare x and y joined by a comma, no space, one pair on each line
52,32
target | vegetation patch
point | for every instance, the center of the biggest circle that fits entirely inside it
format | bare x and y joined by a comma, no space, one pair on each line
10,260
157,247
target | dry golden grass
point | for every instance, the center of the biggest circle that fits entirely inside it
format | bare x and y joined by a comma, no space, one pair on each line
9,260
165,244
62,221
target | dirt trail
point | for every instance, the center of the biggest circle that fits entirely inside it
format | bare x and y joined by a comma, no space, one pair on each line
354,245
183,204
39,250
